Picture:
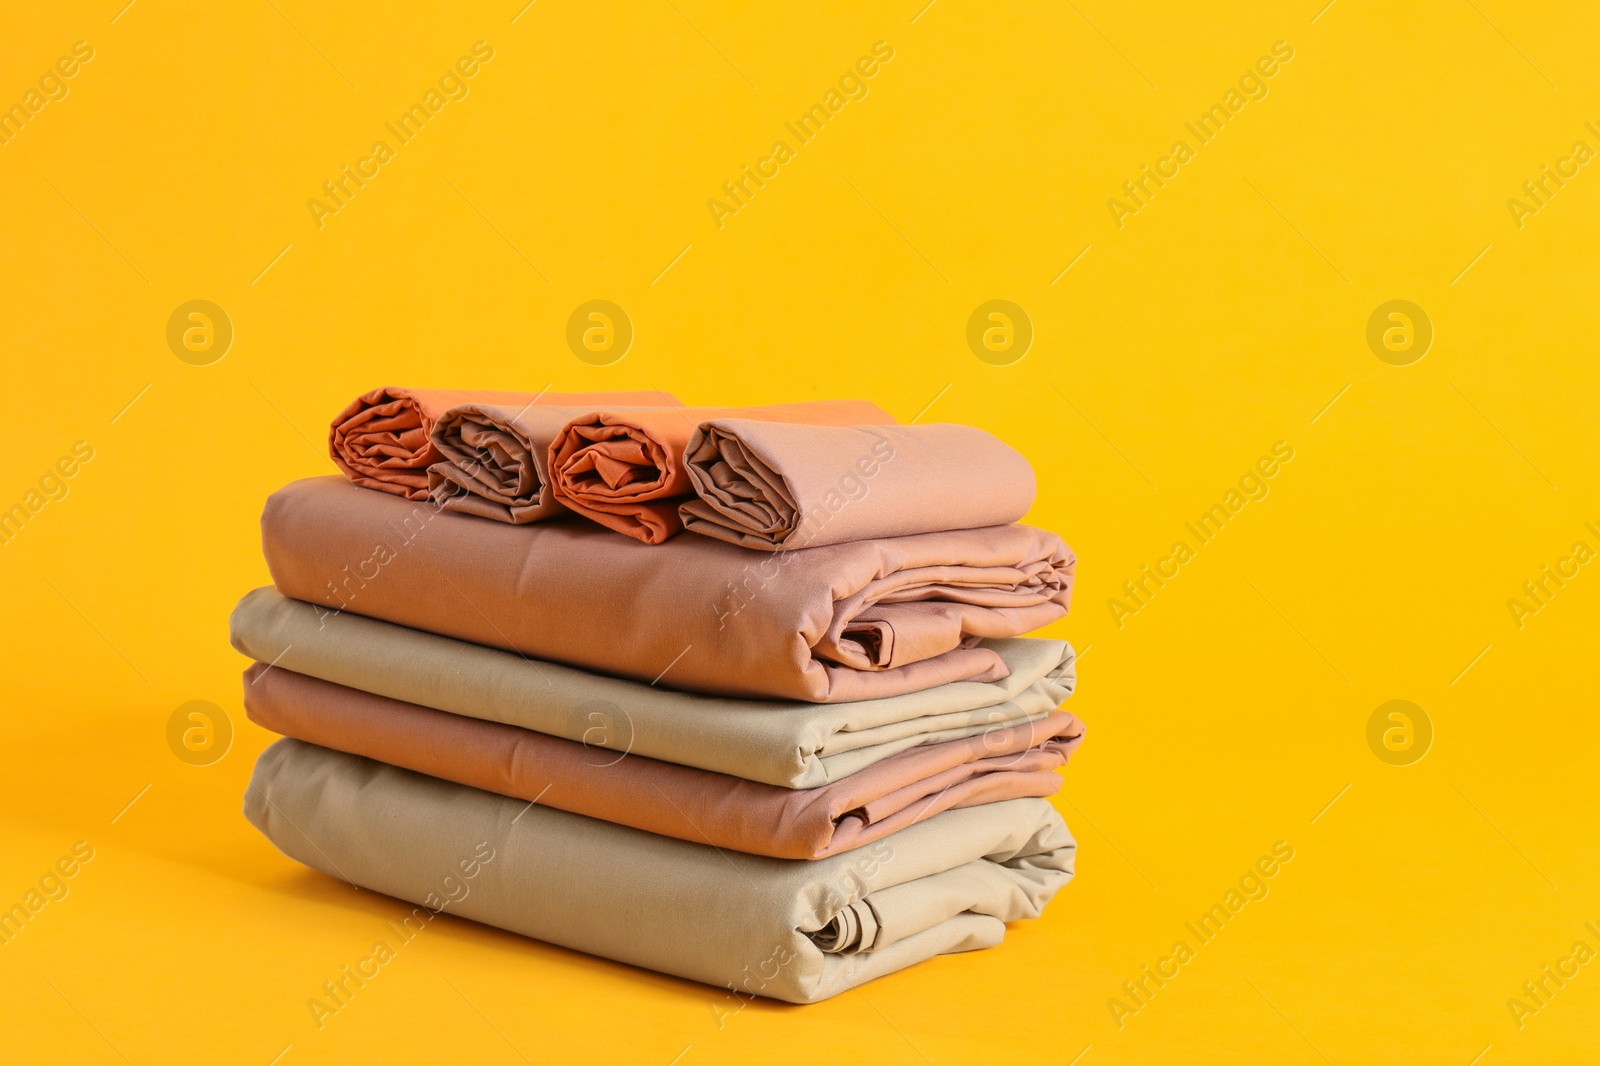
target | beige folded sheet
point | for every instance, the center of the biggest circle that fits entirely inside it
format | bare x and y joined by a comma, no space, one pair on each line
772,486
787,743
840,623
786,929
1008,762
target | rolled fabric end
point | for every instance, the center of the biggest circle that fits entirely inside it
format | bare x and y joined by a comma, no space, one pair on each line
625,470
490,467
612,469
382,439
777,487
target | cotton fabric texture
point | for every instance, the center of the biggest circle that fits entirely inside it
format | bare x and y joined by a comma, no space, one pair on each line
772,487
661,797
380,441
625,470
787,743
841,623
785,929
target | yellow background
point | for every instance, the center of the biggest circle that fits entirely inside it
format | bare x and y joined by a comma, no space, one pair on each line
1223,317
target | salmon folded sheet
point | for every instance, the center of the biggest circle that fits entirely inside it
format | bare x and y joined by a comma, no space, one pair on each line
854,621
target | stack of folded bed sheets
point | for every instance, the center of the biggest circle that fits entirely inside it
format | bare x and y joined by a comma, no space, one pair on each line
737,694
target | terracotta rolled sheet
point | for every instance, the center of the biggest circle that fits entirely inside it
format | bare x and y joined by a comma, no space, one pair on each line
493,460
624,469
1009,762
781,928
786,743
380,441
775,487
846,622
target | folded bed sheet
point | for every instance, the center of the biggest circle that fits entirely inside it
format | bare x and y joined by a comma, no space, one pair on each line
787,743
625,470
846,622
1008,762
773,487
785,929
380,441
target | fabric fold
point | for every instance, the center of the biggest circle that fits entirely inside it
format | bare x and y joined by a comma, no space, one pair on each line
840,623
1008,762
785,929
788,743
380,441
625,469
777,487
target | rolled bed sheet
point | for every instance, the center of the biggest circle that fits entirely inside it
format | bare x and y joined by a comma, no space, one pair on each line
775,487
625,470
785,929
493,460
787,743
380,441
1008,762
845,622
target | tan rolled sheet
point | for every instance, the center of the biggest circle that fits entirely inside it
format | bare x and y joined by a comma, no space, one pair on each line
787,743
625,470
782,928
841,623
493,460
773,487
380,441
1008,762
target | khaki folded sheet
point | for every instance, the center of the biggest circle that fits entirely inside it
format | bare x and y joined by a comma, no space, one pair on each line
380,441
841,623
786,743
625,470
493,460
782,928
660,797
774,487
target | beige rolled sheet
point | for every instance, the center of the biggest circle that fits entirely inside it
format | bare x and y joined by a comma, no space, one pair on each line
786,929
846,622
773,486
788,743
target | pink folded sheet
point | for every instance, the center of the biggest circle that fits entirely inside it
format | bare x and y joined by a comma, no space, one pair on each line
845,622
774,487
662,797
625,470
380,441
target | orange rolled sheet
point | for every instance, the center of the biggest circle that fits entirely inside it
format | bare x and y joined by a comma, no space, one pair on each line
662,797
626,470
380,441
